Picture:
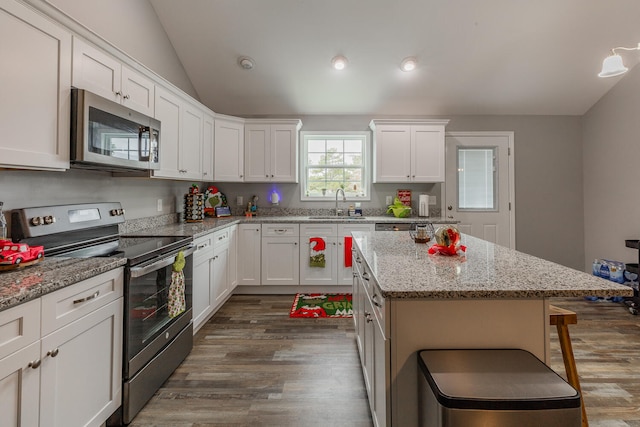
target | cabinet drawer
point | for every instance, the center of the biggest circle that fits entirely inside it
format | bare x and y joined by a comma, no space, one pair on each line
19,327
320,230
280,230
221,237
347,229
62,307
204,248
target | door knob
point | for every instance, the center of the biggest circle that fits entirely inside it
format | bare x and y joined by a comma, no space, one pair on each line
449,207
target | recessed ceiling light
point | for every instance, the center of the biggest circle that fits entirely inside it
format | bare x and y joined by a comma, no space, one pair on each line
409,64
245,62
339,62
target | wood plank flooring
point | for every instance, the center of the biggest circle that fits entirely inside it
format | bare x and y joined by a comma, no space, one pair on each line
253,365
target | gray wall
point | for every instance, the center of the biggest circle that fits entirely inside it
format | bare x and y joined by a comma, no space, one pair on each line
611,144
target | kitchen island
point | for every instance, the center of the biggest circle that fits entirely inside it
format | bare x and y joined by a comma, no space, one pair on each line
406,300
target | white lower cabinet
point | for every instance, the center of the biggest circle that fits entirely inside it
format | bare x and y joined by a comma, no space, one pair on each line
249,251
280,254
71,372
202,289
369,318
318,242
214,273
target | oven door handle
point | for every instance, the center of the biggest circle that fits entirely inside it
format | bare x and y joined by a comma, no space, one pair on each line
141,271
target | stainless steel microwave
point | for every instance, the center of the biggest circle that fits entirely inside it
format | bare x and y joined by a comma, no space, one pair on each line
108,136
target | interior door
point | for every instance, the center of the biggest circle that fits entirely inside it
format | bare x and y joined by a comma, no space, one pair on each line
479,185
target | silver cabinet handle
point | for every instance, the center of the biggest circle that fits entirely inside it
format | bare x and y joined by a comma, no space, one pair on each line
85,299
145,269
53,353
118,93
280,230
365,276
367,317
202,246
374,299
126,97
35,364
295,243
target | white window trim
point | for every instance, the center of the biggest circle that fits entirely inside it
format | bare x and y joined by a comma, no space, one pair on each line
366,168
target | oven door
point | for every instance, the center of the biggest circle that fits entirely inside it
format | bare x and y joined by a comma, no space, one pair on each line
150,323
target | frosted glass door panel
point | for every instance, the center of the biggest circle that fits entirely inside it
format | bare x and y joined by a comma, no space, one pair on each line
477,179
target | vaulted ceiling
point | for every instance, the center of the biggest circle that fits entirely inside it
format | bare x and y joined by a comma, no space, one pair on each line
474,56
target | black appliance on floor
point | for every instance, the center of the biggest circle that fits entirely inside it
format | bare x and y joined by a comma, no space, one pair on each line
155,343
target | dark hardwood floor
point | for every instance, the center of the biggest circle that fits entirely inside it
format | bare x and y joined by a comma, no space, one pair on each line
253,365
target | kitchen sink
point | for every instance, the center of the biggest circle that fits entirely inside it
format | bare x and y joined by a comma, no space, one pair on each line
337,217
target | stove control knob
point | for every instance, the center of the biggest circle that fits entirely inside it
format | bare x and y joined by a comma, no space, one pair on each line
36,220
49,219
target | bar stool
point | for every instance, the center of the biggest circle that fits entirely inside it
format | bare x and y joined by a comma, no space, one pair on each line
562,318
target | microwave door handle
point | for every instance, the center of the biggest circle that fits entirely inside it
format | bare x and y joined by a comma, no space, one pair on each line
146,269
142,130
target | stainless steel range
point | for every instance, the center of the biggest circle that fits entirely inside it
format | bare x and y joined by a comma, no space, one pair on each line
155,340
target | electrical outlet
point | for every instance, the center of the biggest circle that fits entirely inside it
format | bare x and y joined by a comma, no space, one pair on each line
432,200
389,200
239,201
159,206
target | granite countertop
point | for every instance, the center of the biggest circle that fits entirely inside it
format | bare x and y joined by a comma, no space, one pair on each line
404,269
30,282
50,274
209,225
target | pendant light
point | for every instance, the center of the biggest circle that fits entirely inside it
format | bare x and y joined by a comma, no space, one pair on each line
612,65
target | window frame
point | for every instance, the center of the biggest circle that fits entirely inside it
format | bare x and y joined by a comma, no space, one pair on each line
366,163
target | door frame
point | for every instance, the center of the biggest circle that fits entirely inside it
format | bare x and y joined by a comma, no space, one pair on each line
512,178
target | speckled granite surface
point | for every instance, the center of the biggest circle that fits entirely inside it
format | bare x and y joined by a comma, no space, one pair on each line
404,269
51,274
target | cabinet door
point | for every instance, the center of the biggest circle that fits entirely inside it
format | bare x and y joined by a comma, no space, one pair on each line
207,147
381,394
249,250
168,108
427,153
20,388
313,251
345,274
233,258
280,260
202,287
138,92
257,152
36,85
368,347
284,153
228,153
220,276
191,142
393,153
96,71
85,352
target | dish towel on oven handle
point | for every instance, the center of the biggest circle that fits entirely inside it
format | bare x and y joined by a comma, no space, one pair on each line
348,244
317,247
176,301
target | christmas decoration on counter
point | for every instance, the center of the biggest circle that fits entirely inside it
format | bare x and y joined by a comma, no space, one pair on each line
15,255
214,198
194,205
447,241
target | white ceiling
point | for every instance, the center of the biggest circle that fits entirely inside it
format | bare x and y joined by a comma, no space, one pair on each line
475,56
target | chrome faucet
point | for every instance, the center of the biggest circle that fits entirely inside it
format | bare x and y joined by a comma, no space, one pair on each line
344,199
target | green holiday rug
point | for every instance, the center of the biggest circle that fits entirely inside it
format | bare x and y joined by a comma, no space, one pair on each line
321,305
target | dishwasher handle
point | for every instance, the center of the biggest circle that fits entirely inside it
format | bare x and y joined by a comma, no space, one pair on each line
165,261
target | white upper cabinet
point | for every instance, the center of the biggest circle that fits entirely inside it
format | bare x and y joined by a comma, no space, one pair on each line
228,155
208,140
271,150
35,78
408,150
181,137
100,73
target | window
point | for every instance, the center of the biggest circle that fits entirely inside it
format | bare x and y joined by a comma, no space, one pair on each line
477,179
332,161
